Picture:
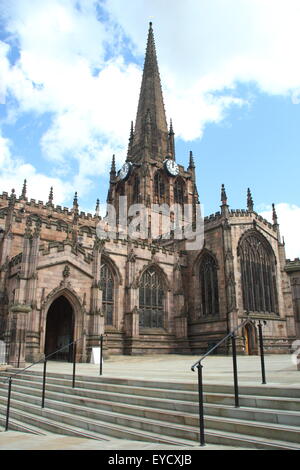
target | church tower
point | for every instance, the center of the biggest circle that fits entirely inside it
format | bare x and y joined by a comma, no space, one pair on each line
150,175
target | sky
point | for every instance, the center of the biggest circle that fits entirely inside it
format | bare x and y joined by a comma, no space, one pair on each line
70,75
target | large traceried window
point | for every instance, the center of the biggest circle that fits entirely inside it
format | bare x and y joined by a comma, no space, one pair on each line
258,270
107,286
151,300
209,292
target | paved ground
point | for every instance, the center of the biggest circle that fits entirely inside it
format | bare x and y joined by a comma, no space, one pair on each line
280,369
280,372
12,440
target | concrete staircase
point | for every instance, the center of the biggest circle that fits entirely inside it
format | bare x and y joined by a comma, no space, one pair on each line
152,411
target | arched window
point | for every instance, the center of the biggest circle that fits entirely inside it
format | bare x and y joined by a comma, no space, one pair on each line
151,300
159,186
209,292
258,274
107,286
179,191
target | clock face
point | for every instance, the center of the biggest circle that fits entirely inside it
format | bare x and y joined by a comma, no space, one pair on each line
125,170
171,167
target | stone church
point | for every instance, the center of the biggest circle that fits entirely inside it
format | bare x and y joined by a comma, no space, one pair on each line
60,282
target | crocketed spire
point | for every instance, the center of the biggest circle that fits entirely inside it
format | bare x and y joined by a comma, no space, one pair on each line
150,107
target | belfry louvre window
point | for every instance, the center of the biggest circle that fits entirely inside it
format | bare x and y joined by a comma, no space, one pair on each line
209,292
179,191
151,300
258,275
136,190
107,286
159,186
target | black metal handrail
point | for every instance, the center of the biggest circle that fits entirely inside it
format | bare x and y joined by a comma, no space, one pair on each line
199,366
44,360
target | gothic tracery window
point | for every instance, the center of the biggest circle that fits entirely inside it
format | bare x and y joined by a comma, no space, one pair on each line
107,286
151,300
258,275
209,293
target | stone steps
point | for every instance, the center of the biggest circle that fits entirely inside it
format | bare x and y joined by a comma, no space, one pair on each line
136,405
154,411
214,394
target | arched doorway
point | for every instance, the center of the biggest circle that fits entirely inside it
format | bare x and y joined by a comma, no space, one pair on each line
59,329
250,340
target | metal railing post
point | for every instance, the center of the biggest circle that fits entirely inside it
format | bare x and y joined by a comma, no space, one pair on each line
8,403
19,354
101,352
74,364
235,375
262,357
44,384
201,411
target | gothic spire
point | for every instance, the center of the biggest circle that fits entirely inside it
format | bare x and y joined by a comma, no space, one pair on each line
151,102
250,204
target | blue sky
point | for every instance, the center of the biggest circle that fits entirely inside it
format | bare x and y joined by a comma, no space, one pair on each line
70,75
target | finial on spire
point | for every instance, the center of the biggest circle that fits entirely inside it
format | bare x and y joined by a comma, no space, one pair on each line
97,209
223,195
274,215
50,198
113,172
75,200
24,190
130,143
250,204
171,142
75,209
192,162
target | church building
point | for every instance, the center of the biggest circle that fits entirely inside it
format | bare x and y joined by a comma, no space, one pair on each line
66,275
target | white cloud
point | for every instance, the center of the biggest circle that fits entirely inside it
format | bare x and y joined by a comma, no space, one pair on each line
61,70
289,222
15,170
209,45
